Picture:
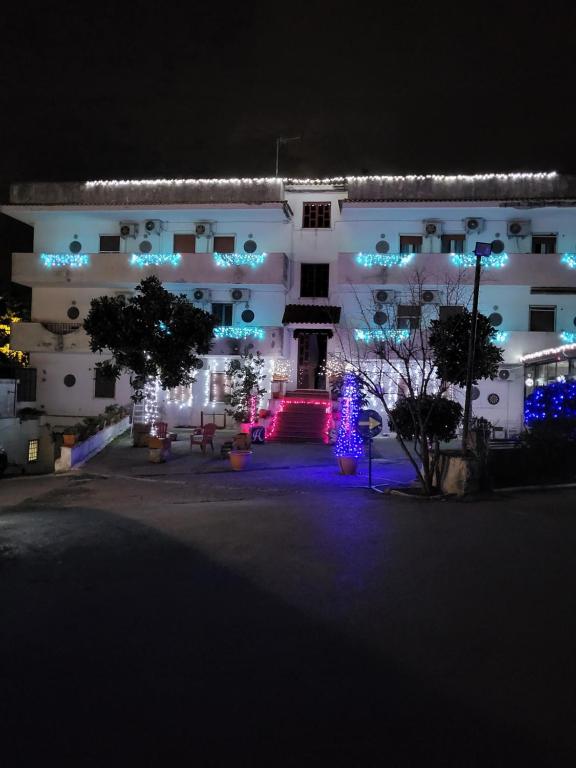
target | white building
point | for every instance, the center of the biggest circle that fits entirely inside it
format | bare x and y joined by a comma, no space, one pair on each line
97,238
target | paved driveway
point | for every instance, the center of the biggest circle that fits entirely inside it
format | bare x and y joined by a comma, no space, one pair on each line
282,617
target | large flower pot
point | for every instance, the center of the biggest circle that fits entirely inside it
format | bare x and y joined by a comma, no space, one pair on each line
69,440
239,459
348,465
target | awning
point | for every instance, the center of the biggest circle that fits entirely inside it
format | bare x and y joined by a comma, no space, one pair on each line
311,313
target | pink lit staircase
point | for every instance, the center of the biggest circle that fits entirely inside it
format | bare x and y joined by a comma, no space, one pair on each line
303,417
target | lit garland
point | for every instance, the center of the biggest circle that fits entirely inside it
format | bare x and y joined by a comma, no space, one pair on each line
569,259
252,409
500,337
383,259
551,352
349,442
335,366
395,336
239,259
238,332
282,369
568,337
181,396
155,259
151,410
554,401
301,401
68,260
494,261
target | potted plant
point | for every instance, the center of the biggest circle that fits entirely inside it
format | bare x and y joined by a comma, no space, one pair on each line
349,445
240,453
69,436
245,376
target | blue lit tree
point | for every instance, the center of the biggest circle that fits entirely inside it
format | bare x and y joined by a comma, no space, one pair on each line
554,401
348,441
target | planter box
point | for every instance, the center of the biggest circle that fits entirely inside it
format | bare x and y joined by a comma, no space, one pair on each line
81,452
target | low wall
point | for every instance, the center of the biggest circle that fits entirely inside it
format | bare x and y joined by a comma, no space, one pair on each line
77,454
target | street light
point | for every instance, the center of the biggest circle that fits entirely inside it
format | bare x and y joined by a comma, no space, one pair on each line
481,250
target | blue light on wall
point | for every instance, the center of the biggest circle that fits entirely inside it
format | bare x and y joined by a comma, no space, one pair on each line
238,332
155,259
569,259
494,261
383,259
568,337
69,260
553,401
396,336
239,259
500,337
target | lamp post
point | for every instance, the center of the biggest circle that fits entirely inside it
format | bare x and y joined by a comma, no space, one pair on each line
481,250
281,140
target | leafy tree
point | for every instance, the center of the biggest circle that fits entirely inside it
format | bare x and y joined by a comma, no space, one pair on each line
12,310
245,376
449,341
154,334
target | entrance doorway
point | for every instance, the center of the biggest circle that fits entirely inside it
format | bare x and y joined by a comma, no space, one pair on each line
312,347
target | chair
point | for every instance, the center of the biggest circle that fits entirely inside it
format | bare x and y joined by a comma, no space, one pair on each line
161,428
203,437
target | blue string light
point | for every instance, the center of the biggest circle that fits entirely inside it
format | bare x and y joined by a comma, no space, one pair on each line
155,259
239,259
348,441
494,261
396,336
383,259
238,332
568,337
553,401
69,260
569,259
500,337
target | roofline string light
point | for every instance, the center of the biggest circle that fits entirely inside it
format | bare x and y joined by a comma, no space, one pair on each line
494,261
383,259
69,260
238,332
449,178
551,352
239,259
155,259
394,335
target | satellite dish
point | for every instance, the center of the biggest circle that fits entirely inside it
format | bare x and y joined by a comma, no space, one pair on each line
75,246
497,246
382,246
145,246
250,246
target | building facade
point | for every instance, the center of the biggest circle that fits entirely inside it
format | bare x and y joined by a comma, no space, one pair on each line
291,267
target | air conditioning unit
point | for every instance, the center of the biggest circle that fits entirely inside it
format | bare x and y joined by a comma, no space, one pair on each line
431,297
474,225
432,227
506,374
384,296
201,294
240,294
519,228
153,226
128,229
203,229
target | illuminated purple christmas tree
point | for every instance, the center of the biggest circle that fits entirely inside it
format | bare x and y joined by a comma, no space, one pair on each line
348,441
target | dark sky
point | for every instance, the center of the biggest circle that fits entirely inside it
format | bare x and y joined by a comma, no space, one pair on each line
112,89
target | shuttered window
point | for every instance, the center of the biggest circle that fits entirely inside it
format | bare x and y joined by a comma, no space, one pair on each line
314,280
184,244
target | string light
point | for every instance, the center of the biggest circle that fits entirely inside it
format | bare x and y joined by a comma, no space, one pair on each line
151,409
569,259
555,400
155,259
69,260
383,259
551,352
239,259
500,337
238,332
396,336
181,396
282,369
568,337
301,401
494,261
348,441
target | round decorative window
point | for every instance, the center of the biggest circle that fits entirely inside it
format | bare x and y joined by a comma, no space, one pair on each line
75,246
250,246
495,319
382,246
73,313
493,398
380,318
497,246
199,364
145,246
475,393
69,380
247,316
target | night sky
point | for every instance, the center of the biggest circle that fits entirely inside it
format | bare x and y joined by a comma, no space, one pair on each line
132,89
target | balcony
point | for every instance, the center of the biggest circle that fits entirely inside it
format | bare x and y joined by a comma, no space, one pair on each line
534,269
115,270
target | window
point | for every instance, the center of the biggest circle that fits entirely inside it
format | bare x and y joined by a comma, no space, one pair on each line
184,244
218,382
104,386
543,318
408,316
33,450
448,311
316,215
223,313
314,280
109,243
544,244
410,243
26,389
223,244
453,243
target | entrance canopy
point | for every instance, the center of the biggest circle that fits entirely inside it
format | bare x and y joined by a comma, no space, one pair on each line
311,313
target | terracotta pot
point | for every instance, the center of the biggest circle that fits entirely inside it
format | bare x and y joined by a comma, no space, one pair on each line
69,440
239,459
245,427
348,465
